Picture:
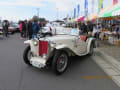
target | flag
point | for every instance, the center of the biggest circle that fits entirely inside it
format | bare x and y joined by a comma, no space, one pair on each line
74,12
115,2
71,16
67,17
100,6
86,7
78,9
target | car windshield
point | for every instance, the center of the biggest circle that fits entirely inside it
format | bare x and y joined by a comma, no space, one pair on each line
67,31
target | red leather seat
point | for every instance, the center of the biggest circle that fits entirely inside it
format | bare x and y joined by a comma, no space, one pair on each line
83,37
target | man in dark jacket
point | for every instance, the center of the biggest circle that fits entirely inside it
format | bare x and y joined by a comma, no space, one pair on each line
83,28
24,28
5,27
36,29
30,29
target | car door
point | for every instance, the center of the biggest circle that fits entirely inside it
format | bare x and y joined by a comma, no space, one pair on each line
80,46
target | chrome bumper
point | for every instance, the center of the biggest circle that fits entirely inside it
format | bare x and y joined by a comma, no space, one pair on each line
38,62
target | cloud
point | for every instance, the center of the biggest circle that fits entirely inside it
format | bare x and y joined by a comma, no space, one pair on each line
22,3
62,5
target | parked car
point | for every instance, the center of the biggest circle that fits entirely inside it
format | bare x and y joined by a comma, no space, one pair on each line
13,28
16,26
46,31
1,29
49,30
56,50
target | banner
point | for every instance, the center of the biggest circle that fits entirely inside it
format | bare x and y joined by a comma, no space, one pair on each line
100,6
86,7
115,2
74,12
78,9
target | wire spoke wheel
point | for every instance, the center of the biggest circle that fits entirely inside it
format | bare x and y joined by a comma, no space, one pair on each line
62,63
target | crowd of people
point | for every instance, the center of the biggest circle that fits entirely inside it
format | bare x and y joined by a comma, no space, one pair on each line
86,27
29,28
90,28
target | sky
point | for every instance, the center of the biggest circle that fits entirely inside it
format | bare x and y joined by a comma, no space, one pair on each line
50,9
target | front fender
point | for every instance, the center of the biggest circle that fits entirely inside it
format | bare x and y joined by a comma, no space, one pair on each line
27,42
66,49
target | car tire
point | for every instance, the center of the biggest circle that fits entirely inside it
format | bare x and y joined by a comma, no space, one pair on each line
25,55
11,33
60,62
91,49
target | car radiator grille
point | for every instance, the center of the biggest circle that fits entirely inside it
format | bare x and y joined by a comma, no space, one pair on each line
43,47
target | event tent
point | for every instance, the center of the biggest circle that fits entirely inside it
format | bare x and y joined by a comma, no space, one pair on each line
111,12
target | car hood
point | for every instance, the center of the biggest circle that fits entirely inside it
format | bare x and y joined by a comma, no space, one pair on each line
58,37
10,27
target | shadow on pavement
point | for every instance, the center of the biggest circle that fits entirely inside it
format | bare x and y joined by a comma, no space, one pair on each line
74,63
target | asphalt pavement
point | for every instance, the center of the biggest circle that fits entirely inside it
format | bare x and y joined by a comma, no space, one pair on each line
16,75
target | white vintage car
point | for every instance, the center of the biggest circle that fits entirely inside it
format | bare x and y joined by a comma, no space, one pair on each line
49,29
56,50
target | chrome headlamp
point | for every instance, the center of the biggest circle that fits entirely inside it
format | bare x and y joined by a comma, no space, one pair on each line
35,42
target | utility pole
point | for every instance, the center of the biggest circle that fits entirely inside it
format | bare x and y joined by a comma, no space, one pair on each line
57,13
38,9
93,3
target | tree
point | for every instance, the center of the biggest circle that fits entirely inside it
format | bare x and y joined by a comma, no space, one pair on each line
35,18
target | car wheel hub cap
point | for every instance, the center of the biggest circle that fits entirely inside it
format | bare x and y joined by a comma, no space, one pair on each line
62,63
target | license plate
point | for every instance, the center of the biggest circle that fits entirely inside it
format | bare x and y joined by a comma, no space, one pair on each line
36,64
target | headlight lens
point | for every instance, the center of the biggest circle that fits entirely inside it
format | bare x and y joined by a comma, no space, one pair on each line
35,43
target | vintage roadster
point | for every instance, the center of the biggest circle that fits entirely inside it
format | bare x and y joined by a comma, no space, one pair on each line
56,50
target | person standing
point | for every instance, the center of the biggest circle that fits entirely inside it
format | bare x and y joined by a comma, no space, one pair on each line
24,29
30,29
36,29
117,31
26,26
90,28
84,28
5,26
20,29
